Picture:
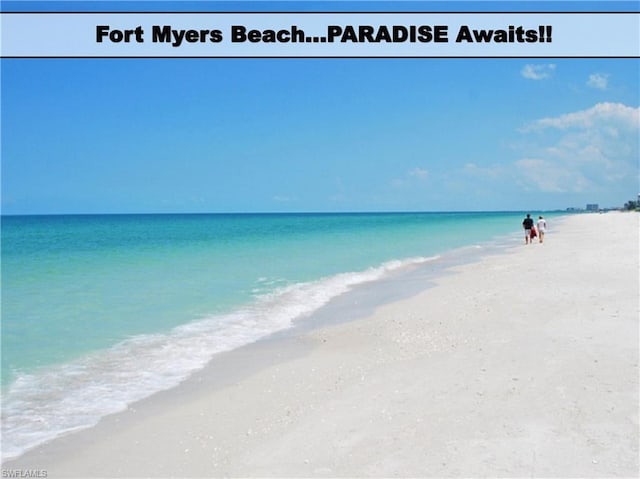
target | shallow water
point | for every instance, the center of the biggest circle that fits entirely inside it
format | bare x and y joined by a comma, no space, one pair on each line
101,311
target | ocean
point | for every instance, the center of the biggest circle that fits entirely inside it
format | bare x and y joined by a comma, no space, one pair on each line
99,311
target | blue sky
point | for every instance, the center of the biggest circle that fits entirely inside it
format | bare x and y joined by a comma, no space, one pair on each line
265,135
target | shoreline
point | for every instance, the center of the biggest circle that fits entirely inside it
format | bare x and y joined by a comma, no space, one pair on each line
387,282
416,388
376,285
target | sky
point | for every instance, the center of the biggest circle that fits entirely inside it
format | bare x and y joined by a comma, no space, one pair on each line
302,135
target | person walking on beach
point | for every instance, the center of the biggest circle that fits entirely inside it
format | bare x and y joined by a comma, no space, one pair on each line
542,227
527,224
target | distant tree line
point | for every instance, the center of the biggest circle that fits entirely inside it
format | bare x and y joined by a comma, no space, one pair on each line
631,205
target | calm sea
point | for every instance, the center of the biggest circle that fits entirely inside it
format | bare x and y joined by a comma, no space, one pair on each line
100,311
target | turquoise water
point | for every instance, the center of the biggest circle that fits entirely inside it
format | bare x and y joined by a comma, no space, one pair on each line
99,311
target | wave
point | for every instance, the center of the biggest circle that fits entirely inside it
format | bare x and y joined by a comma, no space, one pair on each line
38,407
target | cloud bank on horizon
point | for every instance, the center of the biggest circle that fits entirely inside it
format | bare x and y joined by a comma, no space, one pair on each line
596,149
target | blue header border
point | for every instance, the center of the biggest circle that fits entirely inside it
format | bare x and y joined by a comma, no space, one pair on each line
383,6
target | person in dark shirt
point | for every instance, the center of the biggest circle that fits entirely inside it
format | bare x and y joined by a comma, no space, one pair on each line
527,224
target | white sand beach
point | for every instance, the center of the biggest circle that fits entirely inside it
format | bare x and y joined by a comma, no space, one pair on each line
524,364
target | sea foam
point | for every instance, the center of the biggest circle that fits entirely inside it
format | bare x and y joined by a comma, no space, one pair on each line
38,407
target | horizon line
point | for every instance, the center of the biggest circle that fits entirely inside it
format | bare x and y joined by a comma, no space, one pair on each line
355,212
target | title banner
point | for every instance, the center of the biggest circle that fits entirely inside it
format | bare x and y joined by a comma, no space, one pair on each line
237,35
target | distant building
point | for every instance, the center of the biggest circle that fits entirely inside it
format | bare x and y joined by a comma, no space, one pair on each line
592,207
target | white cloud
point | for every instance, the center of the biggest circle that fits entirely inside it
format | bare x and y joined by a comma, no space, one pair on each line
579,156
596,150
538,72
609,115
598,80
550,176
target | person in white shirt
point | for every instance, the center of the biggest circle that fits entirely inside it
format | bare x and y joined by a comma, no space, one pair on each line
542,227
